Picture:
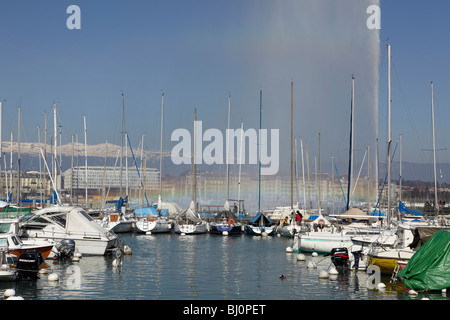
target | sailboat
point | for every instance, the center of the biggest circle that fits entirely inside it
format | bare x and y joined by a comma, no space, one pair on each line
291,228
325,237
157,219
260,225
189,221
225,222
399,252
117,221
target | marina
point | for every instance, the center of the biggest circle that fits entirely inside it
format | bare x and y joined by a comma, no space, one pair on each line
204,267
171,198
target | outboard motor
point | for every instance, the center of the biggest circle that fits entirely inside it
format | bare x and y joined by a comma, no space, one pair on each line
65,248
28,265
339,257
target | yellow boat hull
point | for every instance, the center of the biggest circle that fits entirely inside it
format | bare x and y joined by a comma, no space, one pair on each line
387,261
386,265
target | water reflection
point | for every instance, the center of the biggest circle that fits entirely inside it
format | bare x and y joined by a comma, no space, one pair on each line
205,267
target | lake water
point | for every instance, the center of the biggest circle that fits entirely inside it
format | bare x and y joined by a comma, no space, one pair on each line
203,267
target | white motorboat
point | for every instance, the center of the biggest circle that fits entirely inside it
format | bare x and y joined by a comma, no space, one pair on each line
16,246
7,270
57,223
117,223
325,236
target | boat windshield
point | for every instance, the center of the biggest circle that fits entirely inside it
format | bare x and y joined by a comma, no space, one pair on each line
87,216
59,218
28,216
35,219
3,242
5,227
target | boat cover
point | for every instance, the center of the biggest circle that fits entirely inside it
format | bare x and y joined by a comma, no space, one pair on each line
150,211
422,235
258,217
188,216
429,267
403,209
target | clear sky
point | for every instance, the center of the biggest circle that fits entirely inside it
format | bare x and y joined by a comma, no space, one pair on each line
199,51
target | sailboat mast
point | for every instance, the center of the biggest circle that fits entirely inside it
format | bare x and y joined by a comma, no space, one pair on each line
389,137
320,203
259,157
350,165
240,166
228,154
436,207
303,175
85,158
292,147
121,150
160,149
309,180
45,153
55,144
11,168
193,163
18,158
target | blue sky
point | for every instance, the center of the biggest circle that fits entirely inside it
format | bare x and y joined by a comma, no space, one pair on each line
199,51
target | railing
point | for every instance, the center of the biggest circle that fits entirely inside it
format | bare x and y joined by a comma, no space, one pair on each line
58,234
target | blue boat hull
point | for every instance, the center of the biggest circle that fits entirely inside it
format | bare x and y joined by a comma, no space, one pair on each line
231,229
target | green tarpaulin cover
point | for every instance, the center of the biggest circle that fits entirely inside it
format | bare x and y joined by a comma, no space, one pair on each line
429,267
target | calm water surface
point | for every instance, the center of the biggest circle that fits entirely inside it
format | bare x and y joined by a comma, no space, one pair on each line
203,267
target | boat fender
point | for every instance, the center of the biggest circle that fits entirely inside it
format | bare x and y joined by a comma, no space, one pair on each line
231,222
321,223
301,257
323,274
9,293
53,277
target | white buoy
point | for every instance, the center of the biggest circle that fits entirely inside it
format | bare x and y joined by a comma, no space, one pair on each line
148,233
15,298
225,233
9,293
412,293
278,235
333,271
264,234
381,286
289,250
301,257
314,254
75,259
311,265
53,277
44,271
77,254
323,274
182,234
333,277
127,250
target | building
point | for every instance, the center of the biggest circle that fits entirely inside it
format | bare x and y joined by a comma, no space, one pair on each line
31,185
99,178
